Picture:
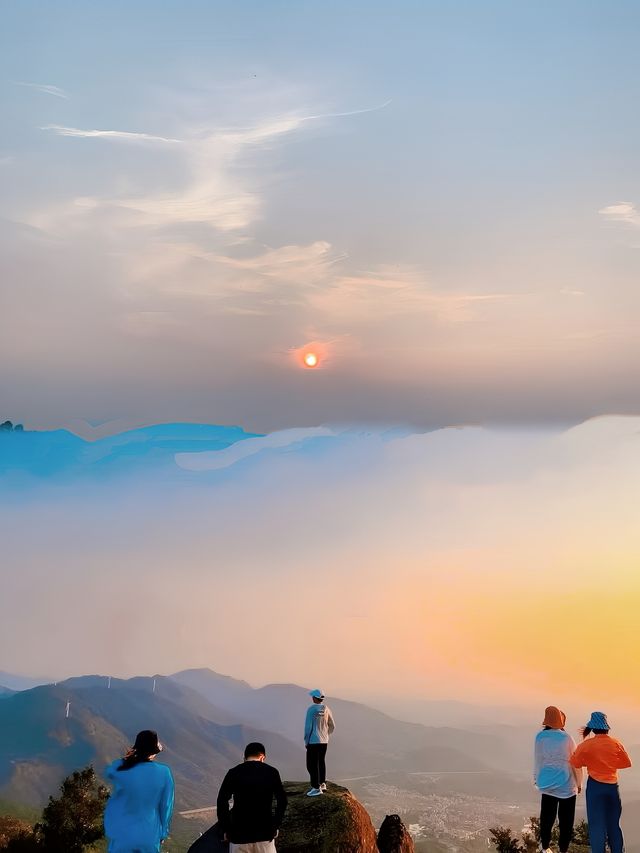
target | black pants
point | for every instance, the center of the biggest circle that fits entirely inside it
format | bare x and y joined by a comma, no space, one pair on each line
316,753
565,811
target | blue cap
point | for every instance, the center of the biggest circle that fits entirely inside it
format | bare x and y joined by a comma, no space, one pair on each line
598,721
316,694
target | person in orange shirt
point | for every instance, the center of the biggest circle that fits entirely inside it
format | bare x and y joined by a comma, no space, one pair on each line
603,756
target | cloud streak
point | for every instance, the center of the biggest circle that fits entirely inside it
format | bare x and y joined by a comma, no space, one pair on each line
117,135
259,133
350,113
46,89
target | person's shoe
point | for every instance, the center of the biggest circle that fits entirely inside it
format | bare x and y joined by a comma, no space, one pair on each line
323,787
314,792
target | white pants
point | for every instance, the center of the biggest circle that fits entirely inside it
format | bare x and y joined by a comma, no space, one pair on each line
254,847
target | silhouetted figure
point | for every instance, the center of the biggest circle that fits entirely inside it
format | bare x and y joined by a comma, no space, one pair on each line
603,756
252,824
138,814
556,779
318,727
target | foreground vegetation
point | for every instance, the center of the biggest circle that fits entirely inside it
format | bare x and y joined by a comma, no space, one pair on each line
505,841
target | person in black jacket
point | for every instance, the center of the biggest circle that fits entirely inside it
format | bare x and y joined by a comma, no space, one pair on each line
252,824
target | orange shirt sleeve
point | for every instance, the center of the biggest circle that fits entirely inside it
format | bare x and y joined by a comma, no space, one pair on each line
622,759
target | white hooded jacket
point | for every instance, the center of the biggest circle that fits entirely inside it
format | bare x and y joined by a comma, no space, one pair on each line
318,724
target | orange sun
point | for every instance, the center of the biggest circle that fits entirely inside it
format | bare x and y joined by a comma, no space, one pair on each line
310,359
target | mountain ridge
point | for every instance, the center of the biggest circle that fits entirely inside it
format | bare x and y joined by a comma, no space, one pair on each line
42,737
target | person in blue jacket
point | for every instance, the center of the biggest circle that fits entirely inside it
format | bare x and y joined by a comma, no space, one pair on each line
138,813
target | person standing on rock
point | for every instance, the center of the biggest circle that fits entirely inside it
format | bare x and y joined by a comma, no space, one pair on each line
252,824
318,727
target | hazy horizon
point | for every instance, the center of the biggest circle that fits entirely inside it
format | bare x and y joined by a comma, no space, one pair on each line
463,712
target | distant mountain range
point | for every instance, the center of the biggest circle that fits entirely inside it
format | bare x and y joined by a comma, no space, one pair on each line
205,719
10,682
39,744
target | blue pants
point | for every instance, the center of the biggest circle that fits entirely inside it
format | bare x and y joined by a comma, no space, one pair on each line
603,813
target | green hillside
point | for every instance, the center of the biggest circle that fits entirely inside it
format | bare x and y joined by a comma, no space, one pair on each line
40,744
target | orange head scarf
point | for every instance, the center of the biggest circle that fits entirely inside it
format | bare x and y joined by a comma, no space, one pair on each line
554,718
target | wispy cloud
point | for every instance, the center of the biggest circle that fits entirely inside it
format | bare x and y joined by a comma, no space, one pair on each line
623,211
287,124
121,135
294,264
315,280
349,113
388,290
46,89
255,134
213,194
261,132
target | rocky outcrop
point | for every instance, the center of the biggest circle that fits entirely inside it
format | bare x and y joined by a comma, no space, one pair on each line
394,836
210,842
333,823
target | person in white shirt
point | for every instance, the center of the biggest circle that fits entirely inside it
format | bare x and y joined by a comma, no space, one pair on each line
556,779
318,727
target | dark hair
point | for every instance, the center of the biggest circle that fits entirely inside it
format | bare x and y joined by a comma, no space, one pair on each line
587,731
146,745
253,749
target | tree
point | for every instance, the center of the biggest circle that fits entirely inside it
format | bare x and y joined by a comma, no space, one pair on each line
580,843
73,821
27,843
504,840
13,830
531,835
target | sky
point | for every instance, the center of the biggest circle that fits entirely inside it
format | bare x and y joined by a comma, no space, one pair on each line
442,201
487,565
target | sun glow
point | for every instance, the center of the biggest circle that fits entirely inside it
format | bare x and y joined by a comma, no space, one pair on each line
312,355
